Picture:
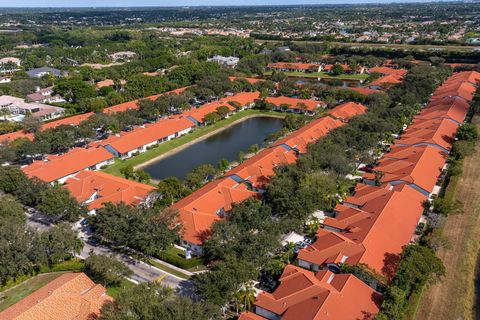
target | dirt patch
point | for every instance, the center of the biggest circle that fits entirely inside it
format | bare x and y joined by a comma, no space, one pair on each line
454,296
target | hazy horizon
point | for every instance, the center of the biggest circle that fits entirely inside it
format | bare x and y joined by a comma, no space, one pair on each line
181,3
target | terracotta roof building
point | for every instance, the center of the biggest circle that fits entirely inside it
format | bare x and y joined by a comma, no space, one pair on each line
71,296
210,203
294,66
386,71
61,167
202,208
325,295
370,227
419,167
295,105
347,110
95,188
126,144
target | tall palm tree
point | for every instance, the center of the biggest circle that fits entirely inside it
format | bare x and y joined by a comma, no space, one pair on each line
244,299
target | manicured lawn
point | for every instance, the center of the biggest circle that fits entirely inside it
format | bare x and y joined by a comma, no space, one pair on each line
176,257
13,295
175,143
169,270
74,265
323,75
114,291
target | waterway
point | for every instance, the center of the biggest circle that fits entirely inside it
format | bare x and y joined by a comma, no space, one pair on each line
224,144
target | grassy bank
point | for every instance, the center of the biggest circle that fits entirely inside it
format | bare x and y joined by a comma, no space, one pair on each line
323,75
188,138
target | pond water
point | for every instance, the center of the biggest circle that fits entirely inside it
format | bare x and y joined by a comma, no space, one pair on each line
224,144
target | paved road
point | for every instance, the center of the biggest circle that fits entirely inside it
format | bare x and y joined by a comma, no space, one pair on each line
142,272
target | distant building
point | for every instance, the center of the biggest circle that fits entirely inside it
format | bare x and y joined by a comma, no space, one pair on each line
13,60
122,56
44,95
70,296
40,72
18,109
225,61
283,49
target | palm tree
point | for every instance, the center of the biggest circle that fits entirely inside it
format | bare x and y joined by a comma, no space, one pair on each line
244,299
4,112
275,267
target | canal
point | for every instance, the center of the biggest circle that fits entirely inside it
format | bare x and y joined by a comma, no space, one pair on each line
224,144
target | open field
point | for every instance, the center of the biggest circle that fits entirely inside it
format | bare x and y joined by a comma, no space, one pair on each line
178,144
454,296
382,45
323,75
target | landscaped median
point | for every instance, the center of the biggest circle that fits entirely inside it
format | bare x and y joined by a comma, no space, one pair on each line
323,75
198,133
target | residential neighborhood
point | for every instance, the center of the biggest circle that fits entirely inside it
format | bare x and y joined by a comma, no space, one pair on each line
239,162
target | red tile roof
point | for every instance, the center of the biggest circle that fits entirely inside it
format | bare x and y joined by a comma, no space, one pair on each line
453,108
140,136
250,80
309,133
388,71
373,233
59,166
201,209
324,295
243,98
438,133
364,91
259,169
294,66
420,166
294,103
134,104
77,119
386,80
71,296
108,188
347,110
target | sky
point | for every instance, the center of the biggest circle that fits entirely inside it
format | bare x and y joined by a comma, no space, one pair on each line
167,3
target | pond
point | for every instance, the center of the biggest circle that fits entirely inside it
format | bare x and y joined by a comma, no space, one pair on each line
224,144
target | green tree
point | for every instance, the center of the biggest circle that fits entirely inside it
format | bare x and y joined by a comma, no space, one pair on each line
105,270
337,70
60,205
127,171
153,301
223,164
142,229
74,90
223,111
171,190
468,132
58,244
212,117
142,176
241,156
